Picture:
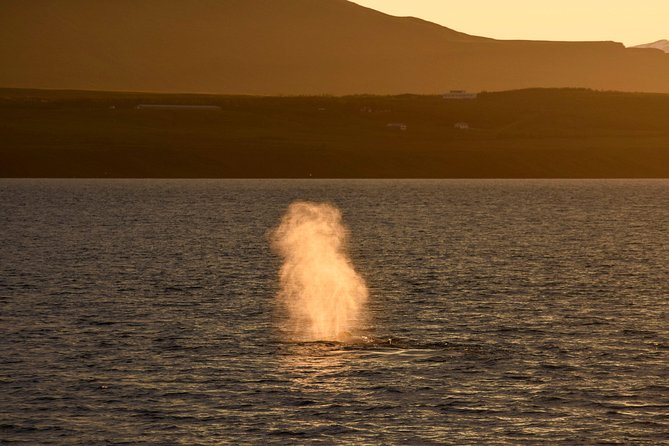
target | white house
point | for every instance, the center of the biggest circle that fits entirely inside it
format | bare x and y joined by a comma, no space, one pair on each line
397,126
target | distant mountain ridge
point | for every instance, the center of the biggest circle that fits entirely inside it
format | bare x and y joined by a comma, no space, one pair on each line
659,45
289,47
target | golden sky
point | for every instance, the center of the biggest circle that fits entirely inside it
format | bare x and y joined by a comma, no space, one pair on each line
626,21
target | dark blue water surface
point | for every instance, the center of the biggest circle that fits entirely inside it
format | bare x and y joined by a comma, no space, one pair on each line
520,312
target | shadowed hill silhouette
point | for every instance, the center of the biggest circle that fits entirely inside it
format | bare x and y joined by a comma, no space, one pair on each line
288,47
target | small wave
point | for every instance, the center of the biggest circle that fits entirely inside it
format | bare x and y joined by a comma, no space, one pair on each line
396,348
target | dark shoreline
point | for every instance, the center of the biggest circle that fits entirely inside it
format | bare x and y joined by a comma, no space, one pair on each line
539,133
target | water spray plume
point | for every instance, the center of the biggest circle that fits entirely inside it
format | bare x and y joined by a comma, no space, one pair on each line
320,289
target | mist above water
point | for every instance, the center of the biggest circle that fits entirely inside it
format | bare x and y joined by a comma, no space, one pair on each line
323,294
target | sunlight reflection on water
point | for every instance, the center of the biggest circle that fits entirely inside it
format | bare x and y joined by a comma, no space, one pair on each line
142,312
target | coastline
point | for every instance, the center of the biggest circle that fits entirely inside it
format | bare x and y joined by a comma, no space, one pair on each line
540,133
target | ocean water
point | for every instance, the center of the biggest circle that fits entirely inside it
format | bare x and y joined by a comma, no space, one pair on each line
504,312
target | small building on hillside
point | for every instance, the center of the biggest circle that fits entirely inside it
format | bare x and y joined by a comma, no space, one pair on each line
460,94
178,107
397,126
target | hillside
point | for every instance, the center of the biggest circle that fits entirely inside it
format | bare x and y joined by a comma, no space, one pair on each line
517,134
288,47
662,45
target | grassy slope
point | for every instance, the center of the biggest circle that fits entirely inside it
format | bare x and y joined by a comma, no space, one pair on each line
518,134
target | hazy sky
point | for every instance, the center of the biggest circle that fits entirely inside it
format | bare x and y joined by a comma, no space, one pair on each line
630,22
